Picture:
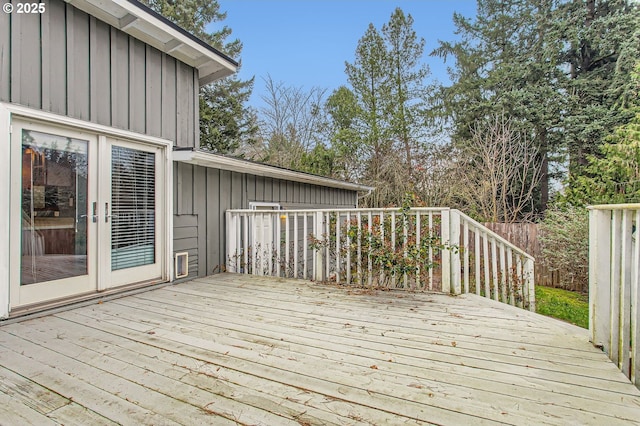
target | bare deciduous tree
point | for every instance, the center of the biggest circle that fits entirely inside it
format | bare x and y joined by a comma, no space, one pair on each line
500,170
291,123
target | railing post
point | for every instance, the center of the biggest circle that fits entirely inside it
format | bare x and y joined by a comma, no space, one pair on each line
445,239
454,240
635,300
529,283
318,232
600,277
231,246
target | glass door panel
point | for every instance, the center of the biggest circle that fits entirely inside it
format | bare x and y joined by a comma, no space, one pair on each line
54,205
133,210
133,214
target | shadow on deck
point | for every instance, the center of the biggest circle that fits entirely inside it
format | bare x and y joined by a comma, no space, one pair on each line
234,349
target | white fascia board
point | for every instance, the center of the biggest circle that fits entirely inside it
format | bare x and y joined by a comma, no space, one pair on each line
139,23
207,159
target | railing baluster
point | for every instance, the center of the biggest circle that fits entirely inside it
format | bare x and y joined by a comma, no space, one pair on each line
454,250
359,252
477,277
431,240
486,264
295,245
418,282
520,281
405,237
465,263
338,248
318,254
503,274
445,255
509,276
272,243
305,245
382,241
494,269
245,243
369,259
327,234
278,242
287,245
393,245
348,243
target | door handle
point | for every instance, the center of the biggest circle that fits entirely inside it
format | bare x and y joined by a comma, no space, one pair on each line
107,216
94,216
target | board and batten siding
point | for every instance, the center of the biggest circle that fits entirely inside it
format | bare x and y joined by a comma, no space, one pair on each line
67,62
203,195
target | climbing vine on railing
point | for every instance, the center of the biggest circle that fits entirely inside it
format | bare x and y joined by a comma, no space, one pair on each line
386,249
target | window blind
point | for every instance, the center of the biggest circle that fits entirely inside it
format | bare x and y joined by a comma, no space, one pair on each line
132,208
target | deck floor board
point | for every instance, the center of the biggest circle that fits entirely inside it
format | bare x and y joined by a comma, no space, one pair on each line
233,349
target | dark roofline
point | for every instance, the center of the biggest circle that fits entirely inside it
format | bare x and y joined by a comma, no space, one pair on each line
182,31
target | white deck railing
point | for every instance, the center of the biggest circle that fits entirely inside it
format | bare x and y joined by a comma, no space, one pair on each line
614,274
438,249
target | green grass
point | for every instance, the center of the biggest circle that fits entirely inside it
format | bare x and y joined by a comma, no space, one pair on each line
563,304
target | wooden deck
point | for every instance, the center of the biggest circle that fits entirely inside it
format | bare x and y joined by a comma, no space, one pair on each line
232,349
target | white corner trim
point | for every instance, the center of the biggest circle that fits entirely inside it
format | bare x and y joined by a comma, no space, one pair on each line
5,218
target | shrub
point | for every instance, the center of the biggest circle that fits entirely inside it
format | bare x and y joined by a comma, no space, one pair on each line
564,234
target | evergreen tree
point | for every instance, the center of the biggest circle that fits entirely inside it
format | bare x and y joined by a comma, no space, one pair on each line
406,84
387,85
343,111
507,62
612,175
601,42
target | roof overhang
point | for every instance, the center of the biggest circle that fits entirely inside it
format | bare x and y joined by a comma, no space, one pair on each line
207,159
139,21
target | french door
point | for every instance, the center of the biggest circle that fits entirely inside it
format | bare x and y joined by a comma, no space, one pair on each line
89,213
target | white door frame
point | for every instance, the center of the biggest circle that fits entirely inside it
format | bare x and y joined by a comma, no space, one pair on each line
8,253
129,275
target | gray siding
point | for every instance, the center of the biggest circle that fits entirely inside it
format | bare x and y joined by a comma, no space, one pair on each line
67,62
206,193
5,49
185,239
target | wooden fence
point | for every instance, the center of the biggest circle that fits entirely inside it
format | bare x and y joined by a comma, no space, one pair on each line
525,236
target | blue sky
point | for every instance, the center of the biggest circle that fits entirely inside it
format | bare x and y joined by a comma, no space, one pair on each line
305,43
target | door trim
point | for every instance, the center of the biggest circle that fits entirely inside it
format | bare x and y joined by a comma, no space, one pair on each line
8,253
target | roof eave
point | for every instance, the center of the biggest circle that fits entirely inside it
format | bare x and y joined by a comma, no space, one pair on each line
207,159
144,24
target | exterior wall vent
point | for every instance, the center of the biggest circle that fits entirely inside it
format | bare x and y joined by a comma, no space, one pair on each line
181,265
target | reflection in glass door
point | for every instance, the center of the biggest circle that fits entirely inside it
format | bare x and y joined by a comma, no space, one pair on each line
54,206
87,213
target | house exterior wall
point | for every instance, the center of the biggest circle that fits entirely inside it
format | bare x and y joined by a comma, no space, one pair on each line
67,62
199,219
